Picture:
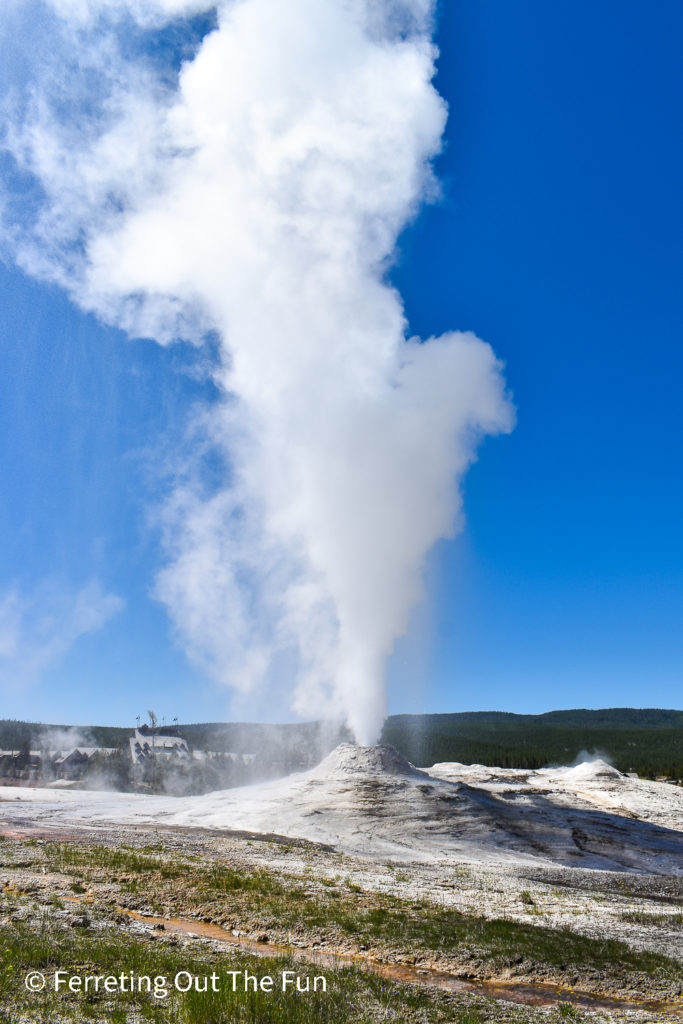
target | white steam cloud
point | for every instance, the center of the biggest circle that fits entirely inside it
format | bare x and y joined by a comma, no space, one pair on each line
39,628
258,193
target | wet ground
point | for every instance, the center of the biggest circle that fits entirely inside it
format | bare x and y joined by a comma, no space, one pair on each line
588,901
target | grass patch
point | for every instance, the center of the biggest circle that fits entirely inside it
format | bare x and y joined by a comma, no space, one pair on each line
66,856
443,930
351,996
214,880
220,878
656,920
262,899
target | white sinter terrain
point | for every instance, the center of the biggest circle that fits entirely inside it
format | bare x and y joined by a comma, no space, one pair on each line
371,802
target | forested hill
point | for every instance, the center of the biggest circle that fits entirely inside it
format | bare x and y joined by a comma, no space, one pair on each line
644,740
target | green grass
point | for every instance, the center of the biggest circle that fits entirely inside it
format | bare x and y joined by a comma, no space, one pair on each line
654,919
268,900
221,879
352,997
66,856
442,930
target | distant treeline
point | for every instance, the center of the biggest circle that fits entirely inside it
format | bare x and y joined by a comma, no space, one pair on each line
647,741
302,738
237,754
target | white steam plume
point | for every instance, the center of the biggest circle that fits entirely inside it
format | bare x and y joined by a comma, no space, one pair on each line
39,628
259,194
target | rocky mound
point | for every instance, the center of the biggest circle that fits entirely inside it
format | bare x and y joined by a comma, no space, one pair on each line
592,771
350,759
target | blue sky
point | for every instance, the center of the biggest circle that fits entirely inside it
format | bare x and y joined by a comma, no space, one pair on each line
558,241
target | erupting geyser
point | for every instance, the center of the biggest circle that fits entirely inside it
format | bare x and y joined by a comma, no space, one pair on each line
256,190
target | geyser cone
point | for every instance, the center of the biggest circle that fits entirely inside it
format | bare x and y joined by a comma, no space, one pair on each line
358,760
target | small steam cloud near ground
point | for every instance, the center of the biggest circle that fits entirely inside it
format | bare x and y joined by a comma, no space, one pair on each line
590,757
253,187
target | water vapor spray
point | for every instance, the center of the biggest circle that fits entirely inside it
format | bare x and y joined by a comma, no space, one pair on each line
253,185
